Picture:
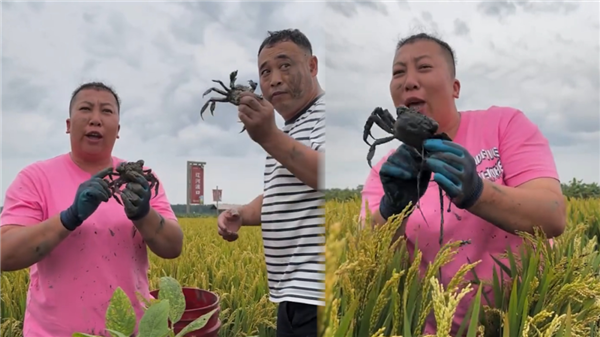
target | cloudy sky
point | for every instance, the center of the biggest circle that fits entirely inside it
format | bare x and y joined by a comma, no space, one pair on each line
160,58
540,58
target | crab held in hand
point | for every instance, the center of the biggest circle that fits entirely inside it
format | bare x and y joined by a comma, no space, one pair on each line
410,127
128,172
231,93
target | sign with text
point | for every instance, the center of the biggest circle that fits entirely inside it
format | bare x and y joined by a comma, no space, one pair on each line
196,183
217,195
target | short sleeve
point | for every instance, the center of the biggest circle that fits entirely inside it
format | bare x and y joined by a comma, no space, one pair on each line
317,135
373,189
23,203
525,152
161,203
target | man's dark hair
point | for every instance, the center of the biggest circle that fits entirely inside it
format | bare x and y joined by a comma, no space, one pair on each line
292,35
95,86
446,49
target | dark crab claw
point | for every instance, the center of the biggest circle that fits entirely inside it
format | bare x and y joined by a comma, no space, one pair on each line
233,76
213,105
117,199
207,92
243,128
204,107
253,85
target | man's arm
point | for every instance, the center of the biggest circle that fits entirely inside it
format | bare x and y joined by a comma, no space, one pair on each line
302,161
251,212
538,202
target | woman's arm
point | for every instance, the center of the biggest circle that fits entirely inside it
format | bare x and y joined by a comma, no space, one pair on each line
536,203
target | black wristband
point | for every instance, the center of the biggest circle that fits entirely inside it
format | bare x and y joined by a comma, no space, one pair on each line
386,210
474,195
69,220
141,213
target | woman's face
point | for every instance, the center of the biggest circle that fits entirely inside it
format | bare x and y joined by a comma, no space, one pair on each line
422,79
94,123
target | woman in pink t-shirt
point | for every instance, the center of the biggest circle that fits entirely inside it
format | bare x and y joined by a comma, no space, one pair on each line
60,221
498,172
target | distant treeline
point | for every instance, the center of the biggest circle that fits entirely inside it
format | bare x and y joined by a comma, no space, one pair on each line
574,189
195,210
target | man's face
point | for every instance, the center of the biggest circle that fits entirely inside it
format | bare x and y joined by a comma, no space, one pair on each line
422,79
286,76
94,122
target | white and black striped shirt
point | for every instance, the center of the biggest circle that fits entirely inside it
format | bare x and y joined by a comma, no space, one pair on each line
293,219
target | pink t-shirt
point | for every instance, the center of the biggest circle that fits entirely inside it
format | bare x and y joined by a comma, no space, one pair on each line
508,150
71,287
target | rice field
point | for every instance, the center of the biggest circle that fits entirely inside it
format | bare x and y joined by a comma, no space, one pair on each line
235,271
373,290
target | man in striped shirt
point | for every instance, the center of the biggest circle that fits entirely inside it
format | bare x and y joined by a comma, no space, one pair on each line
291,209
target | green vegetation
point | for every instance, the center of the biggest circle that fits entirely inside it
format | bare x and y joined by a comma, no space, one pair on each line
573,189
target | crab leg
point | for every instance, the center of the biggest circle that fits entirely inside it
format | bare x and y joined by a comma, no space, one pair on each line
223,85
376,143
211,102
224,93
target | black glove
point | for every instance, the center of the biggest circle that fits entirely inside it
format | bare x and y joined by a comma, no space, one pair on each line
88,197
401,181
455,171
136,199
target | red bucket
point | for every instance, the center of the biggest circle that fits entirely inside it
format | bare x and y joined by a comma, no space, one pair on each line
198,302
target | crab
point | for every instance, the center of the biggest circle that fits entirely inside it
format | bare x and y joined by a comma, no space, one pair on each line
232,94
410,127
128,172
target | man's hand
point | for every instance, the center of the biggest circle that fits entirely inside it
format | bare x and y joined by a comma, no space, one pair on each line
401,181
88,197
136,199
258,116
455,171
229,223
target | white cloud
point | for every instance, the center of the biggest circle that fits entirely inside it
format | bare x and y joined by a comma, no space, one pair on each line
540,58
160,58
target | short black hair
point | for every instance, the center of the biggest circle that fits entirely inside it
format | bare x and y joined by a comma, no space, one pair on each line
95,86
292,35
445,47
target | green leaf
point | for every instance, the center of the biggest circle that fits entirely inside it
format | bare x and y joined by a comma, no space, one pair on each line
120,315
497,289
472,332
155,322
368,308
507,327
568,322
345,322
117,333
81,334
502,266
512,314
197,324
169,289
